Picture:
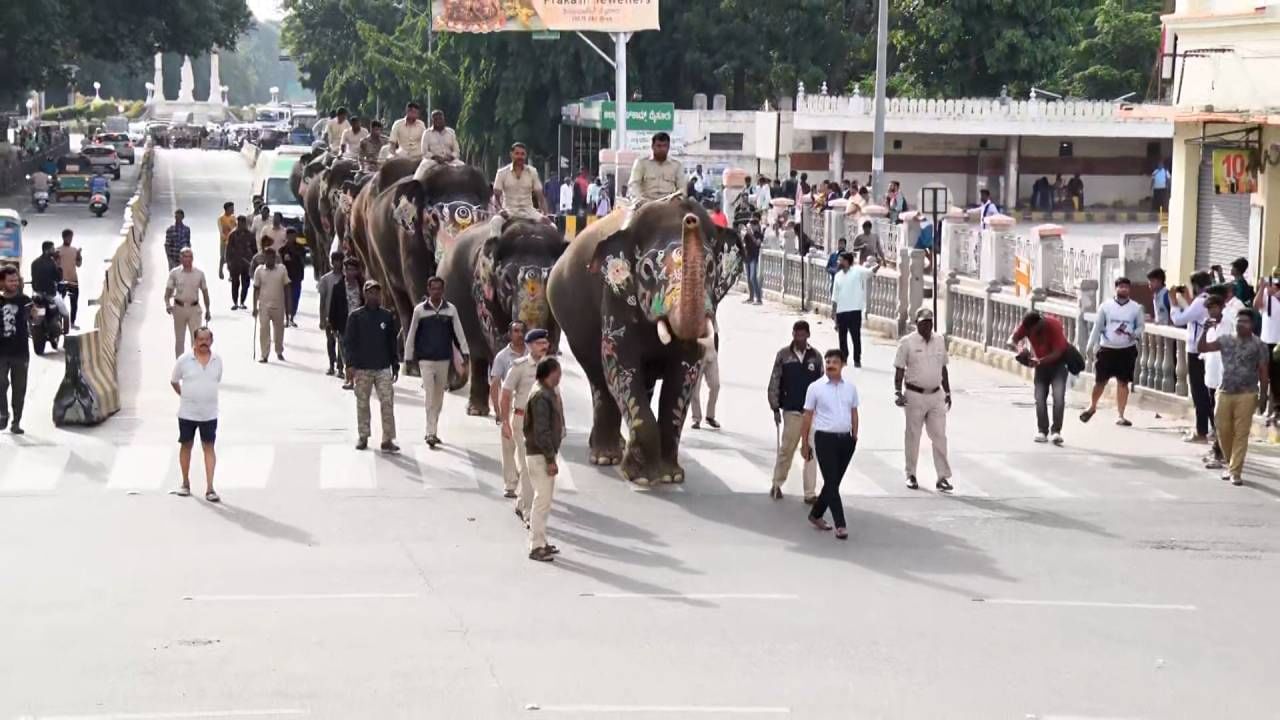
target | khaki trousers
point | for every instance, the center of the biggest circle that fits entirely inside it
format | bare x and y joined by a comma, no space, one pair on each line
435,380
510,471
525,500
186,320
792,424
711,375
930,413
270,326
544,486
1234,419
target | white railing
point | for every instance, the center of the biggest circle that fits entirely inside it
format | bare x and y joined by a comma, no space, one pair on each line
970,109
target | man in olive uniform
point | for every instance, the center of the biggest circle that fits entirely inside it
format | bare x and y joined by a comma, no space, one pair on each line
656,176
518,191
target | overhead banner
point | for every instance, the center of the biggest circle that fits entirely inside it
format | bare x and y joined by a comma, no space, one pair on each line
486,16
1231,172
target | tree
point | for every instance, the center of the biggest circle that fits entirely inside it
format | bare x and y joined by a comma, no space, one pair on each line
1115,57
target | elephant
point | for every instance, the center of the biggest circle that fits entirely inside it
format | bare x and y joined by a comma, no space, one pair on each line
332,182
303,171
411,224
493,281
632,299
386,176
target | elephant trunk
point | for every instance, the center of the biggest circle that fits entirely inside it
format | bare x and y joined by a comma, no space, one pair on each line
688,317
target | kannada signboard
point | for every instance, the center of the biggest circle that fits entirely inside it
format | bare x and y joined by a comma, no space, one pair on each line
649,116
1231,172
485,16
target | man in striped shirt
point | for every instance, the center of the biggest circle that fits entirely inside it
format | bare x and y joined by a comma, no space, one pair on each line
176,237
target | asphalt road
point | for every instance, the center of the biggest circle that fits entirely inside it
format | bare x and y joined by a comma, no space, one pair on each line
1107,579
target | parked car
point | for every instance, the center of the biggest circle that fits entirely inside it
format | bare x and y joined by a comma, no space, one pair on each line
121,142
103,156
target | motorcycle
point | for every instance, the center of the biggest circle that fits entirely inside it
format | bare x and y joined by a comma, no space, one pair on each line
47,328
40,200
98,204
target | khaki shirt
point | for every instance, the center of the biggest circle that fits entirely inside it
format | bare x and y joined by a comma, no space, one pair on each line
441,144
277,235
517,190
408,138
271,284
923,361
186,285
520,381
651,180
334,131
68,257
351,141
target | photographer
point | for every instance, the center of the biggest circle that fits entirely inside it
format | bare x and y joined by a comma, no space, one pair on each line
1191,314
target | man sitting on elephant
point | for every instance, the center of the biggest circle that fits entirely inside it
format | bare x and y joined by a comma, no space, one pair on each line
656,176
517,190
439,146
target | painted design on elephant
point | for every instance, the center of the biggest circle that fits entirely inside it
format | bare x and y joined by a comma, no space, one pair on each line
482,293
455,217
405,213
617,272
692,371
616,375
531,296
727,274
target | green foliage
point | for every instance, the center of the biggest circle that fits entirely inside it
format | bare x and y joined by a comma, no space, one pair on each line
94,110
1117,53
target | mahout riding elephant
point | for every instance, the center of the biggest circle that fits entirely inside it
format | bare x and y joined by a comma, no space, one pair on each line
494,281
386,176
632,302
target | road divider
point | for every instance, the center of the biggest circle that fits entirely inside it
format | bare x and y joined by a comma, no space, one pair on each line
90,389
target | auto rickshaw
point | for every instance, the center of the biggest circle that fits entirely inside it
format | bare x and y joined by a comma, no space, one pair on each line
11,224
72,179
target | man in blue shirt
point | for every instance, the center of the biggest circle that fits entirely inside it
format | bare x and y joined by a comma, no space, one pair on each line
833,262
100,184
848,301
1160,189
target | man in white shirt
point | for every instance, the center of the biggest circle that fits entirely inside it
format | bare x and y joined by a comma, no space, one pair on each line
763,197
593,193
1115,340
1267,303
1159,189
195,379
1192,315
566,196
986,208
439,146
848,302
921,367
831,414
656,176
502,363
351,139
334,131
405,139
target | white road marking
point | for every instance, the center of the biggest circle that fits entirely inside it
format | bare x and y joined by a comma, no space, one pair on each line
240,466
1043,488
737,473
690,596
142,467
858,483
1086,604
301,596
342,467
445,469
669,709
32,468
564,478
173,715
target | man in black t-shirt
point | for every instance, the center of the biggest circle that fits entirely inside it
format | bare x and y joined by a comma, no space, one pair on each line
291,256
15,316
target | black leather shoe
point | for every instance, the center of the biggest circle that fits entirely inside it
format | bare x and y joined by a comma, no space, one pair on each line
911,483
362,444
944,486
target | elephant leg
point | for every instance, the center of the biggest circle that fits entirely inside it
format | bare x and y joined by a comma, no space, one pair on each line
679,381
629,386
479,402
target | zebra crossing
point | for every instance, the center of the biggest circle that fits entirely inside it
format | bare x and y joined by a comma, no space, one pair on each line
711,470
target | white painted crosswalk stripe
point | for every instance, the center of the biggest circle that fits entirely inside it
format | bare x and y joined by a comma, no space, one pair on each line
734,471
240,466
32,469
342,467
564,479
141,467
1040,487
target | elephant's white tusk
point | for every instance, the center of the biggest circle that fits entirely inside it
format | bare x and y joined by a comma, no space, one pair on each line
709,330
664,332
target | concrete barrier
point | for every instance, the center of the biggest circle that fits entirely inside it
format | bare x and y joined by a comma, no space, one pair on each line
90,391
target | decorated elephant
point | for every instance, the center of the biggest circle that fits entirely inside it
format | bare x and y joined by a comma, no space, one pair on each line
633,302
411,224
332,183
391,172
495,281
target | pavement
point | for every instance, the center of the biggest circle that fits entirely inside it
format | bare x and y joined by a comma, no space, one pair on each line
1110,578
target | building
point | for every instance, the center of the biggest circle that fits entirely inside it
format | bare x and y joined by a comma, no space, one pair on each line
1222,64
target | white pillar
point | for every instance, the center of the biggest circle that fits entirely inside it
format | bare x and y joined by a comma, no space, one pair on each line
835,155
215,81
1011,173
158,79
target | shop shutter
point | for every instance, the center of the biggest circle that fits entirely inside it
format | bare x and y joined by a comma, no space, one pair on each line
1222,222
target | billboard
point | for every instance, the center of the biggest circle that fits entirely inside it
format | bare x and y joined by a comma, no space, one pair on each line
1231,172
485,16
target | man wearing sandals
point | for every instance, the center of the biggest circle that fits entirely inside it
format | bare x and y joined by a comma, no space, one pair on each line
195,379
543,433
1115,340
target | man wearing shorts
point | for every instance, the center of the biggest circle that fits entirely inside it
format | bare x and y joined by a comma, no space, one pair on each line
195,379
1115,340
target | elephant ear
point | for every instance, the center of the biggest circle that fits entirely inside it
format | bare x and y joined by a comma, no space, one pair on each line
727,249
615,263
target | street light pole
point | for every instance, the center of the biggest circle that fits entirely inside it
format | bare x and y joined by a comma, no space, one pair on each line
878,188
620,107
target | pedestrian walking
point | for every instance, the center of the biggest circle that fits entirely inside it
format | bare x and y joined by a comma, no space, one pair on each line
226,225
922,388
69,261
831,413
502,362
1191,314
261,220
276,232
369,347
710,374
1114,341
195,378
270,297
15,347
849,301
795,368
1049,343
516,387
543,433
326,285
346,299
752,238
176,237
1245,367
239,259
291,257
1222,318
435,332
182,294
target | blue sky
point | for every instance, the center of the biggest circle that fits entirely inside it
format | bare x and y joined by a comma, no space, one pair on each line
265,9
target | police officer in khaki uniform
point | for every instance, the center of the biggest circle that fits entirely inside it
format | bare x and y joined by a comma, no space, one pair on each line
515,397
181,300
921,365
656,176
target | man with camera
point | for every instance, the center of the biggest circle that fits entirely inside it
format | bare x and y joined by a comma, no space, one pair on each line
1191,314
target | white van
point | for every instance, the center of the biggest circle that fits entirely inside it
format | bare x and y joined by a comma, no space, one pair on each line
271,181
